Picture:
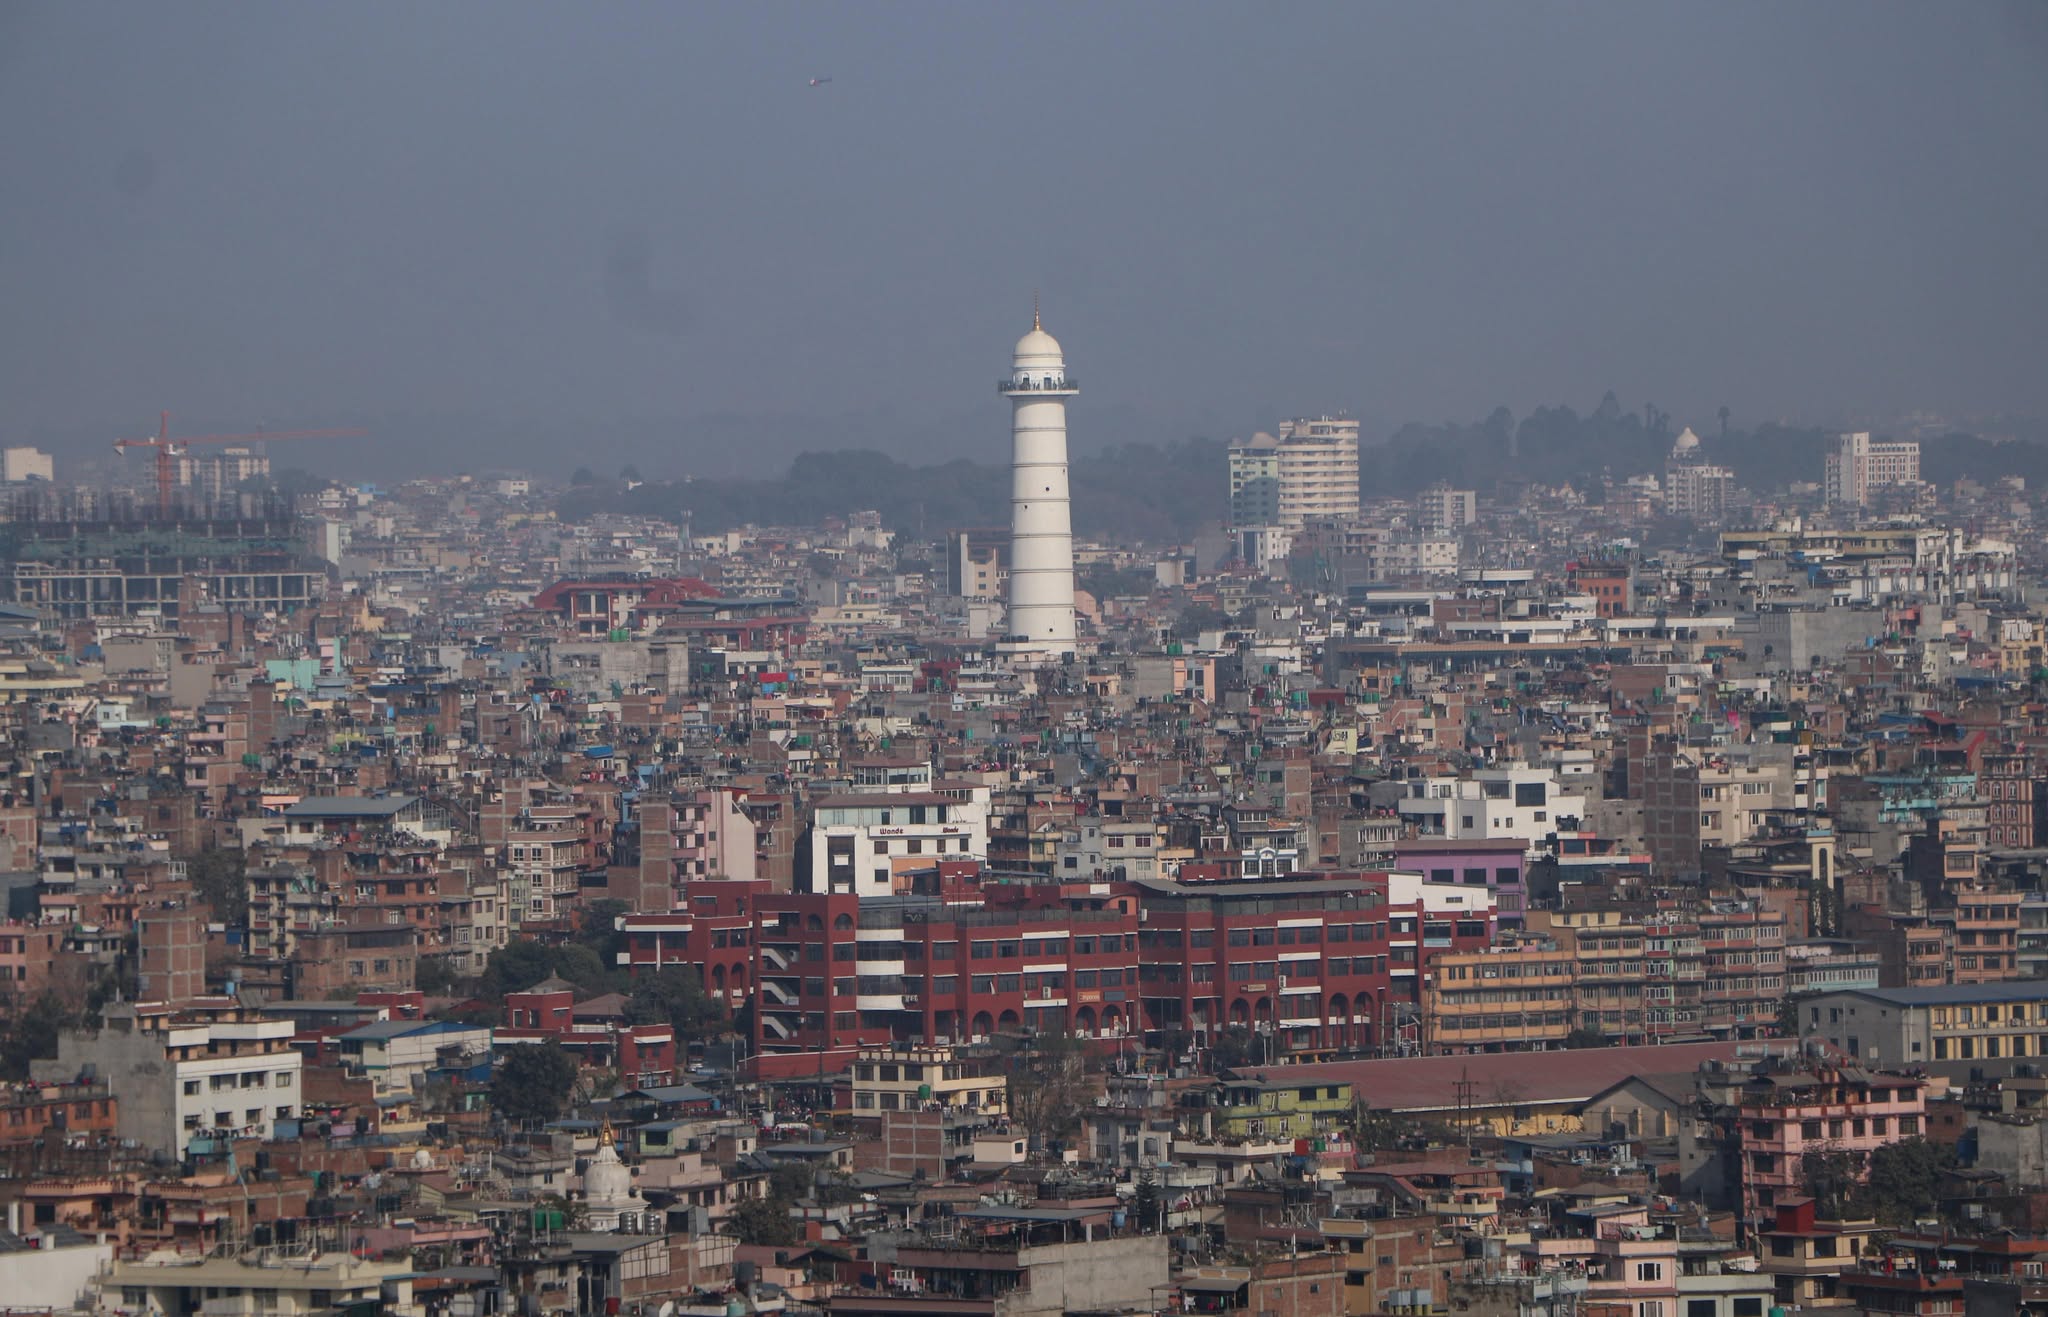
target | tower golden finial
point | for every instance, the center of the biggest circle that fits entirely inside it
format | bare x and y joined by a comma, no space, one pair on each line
1034,310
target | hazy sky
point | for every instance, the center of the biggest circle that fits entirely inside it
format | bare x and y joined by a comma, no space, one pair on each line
564,218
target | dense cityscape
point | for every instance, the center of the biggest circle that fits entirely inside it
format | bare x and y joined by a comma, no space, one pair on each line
1619,897
1462,733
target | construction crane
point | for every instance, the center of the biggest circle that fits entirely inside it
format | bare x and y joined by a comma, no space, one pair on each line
169,450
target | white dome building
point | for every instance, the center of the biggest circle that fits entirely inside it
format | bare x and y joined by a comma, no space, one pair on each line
608,1191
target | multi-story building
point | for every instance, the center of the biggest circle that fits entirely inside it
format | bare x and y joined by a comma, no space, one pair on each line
1744,947
1785,1113
1830,965
834,971
548,848
1527,804
1951,1029
101,569
1267,1106
1497,865
1309,472
1310,964
1860,467
1318,469
1446,511
23,464
861,843
711,930
1693,800
1695,488
219,473
690,837
978,561
1518,994
1984,925
2007,781
1325,962
914,1076
1255,482
1805,1256
207,1069
327,1282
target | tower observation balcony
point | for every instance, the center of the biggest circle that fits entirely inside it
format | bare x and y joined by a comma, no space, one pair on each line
1043,385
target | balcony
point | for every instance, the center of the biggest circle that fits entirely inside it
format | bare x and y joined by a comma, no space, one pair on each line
1063,385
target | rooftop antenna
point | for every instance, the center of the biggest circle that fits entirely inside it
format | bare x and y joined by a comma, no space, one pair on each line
1034,310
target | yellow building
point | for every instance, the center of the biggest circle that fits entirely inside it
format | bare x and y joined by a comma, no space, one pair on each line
1517,994
918,1078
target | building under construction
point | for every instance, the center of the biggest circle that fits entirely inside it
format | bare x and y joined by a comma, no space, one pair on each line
81,554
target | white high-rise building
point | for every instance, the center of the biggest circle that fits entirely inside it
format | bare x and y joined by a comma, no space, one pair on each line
19,464
1695,488
1041,622
1444,510
1860,465
1309,472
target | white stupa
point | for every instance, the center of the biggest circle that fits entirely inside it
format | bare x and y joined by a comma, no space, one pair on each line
608,1191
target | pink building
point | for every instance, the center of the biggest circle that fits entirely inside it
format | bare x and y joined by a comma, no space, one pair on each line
1787,1113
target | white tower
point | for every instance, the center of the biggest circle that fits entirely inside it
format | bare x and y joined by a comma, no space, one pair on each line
1041,622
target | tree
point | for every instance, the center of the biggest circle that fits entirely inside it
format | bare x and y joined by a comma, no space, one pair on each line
583,476
1145,1204
1896,1183
219,877
1902,1181
580,965
762,1221
1048,1082
675,996
1232,1049
1586,1036
533,1082
434,976
515,967
31,1035
599,927
791,1182
1829,1176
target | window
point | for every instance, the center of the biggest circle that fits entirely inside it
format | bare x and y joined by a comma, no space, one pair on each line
1700,1308
1649,1271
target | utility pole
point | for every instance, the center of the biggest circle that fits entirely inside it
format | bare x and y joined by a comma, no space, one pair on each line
1463,1088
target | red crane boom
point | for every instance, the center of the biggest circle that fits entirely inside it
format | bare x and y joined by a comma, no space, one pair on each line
169,450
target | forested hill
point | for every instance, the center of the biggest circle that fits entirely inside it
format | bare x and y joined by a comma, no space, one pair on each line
1137,492
1166,494
1555,445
